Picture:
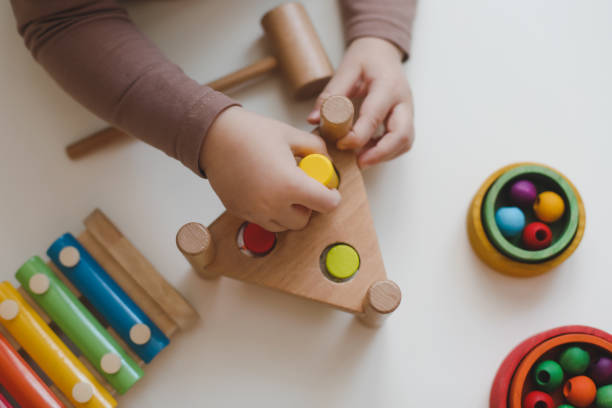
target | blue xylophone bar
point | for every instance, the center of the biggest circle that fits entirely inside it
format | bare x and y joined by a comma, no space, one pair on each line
123,315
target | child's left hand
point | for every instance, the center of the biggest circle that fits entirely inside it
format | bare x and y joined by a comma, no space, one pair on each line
372,69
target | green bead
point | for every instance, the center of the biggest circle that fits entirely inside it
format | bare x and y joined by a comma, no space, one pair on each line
565,406
575,360
604,397
548,375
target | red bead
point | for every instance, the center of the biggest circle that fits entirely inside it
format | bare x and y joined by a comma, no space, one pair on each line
258,240
537,235
538,399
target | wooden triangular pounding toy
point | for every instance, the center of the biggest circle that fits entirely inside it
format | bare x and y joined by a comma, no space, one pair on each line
82,326
335,260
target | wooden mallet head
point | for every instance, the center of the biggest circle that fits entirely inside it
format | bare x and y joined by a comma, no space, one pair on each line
298,49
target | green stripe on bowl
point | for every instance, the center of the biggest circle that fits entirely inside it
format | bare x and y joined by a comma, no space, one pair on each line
544,179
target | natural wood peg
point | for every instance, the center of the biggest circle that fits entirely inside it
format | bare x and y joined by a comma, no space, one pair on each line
337,114
382,299
196,244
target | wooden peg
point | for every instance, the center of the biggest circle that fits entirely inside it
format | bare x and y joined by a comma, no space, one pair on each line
382,299
196,244
337,114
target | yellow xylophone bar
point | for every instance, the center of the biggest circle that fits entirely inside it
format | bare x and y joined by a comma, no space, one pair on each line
49,352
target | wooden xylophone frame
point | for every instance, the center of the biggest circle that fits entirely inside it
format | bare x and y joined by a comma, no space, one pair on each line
135,275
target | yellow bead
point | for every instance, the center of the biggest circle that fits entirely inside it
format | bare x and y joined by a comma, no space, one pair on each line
549,206
320,168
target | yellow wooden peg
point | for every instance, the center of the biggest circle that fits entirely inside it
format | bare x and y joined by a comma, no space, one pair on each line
320,168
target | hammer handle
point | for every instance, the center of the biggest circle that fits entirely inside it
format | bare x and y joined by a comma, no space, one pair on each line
110,135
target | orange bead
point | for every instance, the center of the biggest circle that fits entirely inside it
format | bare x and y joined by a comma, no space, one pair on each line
580,391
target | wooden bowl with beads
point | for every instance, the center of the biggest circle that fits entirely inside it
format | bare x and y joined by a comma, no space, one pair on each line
508,255
514,378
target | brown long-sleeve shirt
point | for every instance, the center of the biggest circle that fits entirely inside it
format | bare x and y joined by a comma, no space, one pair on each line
96,54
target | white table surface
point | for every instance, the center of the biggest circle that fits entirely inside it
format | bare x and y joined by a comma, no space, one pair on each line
493,84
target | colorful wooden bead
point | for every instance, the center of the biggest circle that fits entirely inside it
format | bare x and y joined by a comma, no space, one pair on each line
604,397
320,168
523,193
601,371
565,406
549,206
537,235
342,261
548,375
538,399
574,360
510,221
580,391
257,239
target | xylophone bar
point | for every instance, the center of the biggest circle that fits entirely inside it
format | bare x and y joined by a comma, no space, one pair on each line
21,381
121,312
49,352
96,344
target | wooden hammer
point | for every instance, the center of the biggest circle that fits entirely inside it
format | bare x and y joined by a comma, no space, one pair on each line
299,53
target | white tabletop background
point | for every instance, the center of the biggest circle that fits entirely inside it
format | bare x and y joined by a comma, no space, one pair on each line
493,84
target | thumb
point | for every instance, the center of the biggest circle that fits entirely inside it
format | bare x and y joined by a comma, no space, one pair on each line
314,195
303,143
342,83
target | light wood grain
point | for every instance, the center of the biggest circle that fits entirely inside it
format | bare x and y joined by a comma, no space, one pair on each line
293,266
382,299
298,48
140,269
196,244
337,114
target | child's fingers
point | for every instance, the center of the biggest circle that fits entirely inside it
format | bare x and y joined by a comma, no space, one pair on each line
304,143
271,225
341,84
312,194
294,217
397,141
374,110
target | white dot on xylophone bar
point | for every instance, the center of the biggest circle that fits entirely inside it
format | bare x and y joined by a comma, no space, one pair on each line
39,283
69,257
140,333
9,309
110,363
82,392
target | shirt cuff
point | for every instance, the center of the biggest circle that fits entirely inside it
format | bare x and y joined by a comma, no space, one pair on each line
196,124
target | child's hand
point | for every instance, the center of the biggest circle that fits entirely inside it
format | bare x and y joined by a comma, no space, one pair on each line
249,161
372,68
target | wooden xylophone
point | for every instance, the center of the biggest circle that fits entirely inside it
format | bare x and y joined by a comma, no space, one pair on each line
82,326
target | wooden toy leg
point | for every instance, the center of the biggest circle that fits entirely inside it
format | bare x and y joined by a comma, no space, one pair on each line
196,244
382,299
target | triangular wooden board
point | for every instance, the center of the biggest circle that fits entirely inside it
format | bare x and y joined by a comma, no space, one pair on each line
293,266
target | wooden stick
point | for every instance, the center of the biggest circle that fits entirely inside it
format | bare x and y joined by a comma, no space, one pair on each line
382,299
111,135
245,74
140,269
196,244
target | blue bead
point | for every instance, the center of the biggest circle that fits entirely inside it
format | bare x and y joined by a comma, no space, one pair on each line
510,221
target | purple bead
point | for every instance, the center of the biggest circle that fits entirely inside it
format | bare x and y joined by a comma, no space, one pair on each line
601,371
523,193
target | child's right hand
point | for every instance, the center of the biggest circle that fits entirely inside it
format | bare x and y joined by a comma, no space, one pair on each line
249,161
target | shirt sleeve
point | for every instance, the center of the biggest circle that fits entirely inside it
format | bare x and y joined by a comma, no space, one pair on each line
387,19
96,54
